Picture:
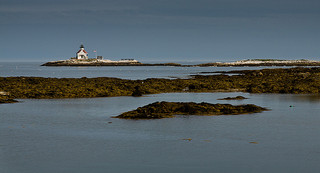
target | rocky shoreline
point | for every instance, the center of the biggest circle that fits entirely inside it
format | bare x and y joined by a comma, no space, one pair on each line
6,99
282,80
254,62
159,110
97,62
90,62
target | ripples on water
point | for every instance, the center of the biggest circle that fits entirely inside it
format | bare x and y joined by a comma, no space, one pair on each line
80,135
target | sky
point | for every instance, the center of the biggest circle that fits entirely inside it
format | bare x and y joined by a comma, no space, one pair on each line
160,30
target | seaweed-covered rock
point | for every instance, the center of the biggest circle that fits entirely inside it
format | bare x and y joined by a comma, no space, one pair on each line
8,101
6,98
159,110
234,98
137,92
293,80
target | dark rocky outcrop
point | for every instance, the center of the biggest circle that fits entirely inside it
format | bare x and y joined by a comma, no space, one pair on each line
159,110
137,92
234,98
8,101
292,80
6,98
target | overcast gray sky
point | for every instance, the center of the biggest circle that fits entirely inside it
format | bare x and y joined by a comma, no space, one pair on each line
165,30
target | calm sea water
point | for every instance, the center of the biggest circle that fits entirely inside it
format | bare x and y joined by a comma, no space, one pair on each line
80,135
8,69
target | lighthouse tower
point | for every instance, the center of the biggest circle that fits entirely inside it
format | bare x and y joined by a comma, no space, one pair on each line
82,54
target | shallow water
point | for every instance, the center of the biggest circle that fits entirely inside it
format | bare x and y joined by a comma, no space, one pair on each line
80,135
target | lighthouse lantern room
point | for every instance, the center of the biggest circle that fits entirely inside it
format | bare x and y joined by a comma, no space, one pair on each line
82,54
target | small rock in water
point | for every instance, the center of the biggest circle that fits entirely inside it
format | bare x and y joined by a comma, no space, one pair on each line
233,98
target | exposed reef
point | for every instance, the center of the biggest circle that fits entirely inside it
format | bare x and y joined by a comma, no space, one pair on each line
263,62
294,80
234,98
6,99
159,110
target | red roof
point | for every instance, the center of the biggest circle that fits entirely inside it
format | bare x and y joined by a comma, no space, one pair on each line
83,51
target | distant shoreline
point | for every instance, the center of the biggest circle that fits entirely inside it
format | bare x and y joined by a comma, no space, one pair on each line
242,63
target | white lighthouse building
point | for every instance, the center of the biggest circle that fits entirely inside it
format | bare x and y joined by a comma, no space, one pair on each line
82,54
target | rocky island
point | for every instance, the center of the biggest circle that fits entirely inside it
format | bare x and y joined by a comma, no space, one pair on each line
263,62
82,59
93,62
99,62
133,62
160,110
